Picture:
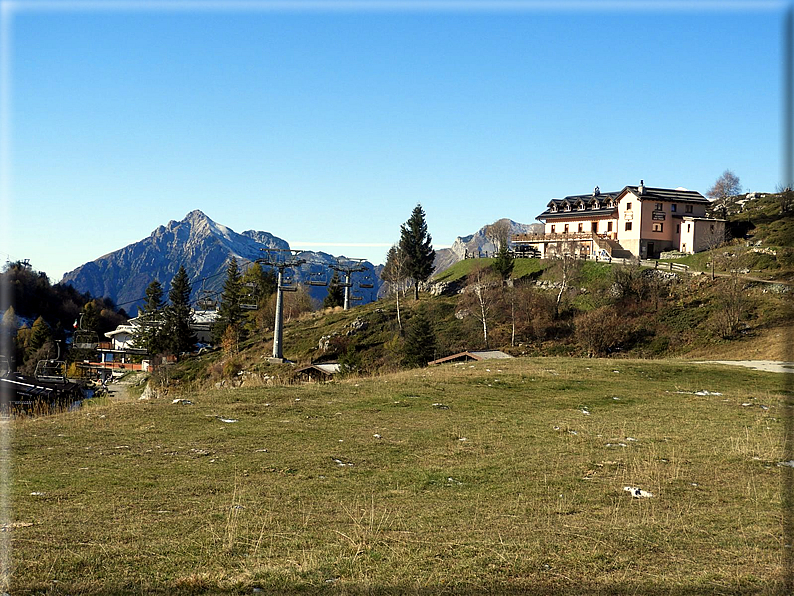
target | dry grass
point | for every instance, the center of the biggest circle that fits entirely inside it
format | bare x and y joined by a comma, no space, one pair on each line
509,488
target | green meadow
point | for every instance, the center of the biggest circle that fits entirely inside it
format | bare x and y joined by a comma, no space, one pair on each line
491,477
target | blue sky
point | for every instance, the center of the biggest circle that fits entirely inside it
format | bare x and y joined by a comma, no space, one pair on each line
326,124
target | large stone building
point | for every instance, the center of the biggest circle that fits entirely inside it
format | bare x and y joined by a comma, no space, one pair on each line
638,221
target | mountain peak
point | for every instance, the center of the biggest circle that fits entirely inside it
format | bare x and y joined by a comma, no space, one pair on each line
195,216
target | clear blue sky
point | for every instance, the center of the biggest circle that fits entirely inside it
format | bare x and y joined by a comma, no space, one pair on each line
328,125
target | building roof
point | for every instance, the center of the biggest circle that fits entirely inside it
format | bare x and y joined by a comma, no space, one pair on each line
472,355
596,204
677,195
121,329
327,368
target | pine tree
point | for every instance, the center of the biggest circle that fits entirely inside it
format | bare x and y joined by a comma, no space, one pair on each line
230,313
149,332
420,341
336,293
415,243
503,263
178,316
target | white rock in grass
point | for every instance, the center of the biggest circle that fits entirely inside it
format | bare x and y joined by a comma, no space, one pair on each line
638,493
788,464
377,436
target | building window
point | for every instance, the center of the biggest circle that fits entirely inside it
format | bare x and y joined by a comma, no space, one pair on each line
581,228
658,227
688,209
594,227
581,207
677,228
553,227
688,228
673,208
628,226
567,206
628,206
566,228
659,207
609,226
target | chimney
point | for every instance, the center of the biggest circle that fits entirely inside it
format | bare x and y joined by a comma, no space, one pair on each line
641,187
596,191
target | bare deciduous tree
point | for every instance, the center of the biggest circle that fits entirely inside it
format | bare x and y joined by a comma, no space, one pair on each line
498,232
481,295
568,266
395,273
727,185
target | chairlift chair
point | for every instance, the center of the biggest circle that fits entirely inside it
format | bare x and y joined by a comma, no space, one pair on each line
366,282
206,300
85,340
248,301
318,279
50,370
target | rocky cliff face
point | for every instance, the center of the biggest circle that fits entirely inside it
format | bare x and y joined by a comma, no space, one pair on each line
477,243
204,248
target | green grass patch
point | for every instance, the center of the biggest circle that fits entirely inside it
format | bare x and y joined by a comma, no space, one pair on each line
489,477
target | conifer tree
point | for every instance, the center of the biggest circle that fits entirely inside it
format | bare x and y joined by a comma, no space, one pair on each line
178,316
336,293
420,341
416,244
149,331
230,313
503,263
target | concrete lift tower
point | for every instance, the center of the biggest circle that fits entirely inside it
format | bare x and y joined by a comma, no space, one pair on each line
347,267
280,259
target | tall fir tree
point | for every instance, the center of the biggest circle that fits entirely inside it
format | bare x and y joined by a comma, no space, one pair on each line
149,333
178,316
336,293
230,313
420,341
416,244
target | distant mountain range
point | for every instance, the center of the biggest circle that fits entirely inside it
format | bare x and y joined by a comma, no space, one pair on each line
204,247
477,243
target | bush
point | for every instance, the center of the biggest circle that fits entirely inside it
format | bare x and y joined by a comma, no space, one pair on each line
600,331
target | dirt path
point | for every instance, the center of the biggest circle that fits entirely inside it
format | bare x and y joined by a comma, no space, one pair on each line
118,391
765,365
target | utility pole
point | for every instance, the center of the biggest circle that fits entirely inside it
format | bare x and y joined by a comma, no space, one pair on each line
280,259
347,267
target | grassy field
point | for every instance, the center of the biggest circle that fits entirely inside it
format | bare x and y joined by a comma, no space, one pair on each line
497,477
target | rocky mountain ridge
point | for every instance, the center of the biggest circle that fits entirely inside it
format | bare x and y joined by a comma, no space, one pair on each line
477,243
204,247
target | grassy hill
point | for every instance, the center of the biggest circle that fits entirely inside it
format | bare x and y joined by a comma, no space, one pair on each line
477,478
